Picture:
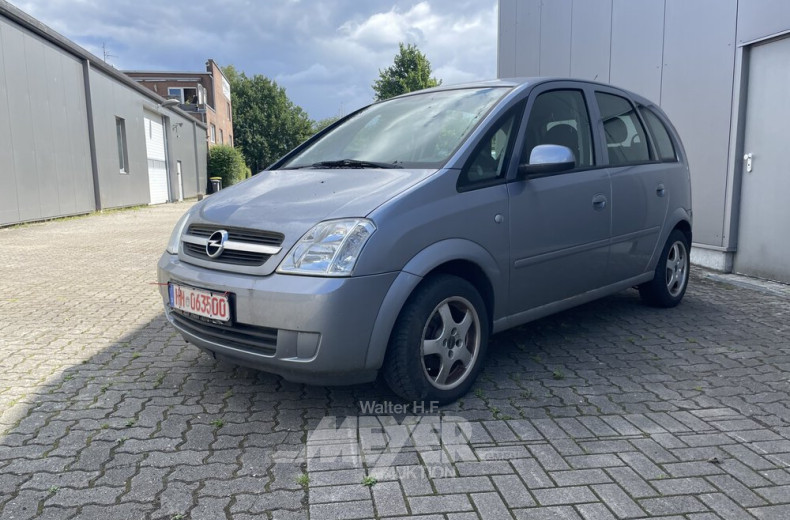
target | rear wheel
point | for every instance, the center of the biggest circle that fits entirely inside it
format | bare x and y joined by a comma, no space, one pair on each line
669,283
439,341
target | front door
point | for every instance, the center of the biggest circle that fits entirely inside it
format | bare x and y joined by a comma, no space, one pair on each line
763,249
559,225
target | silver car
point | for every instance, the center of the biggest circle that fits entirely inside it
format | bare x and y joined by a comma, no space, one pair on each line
400,238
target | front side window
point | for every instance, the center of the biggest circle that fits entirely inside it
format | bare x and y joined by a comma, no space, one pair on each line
421,130
626,141
560,117
489,160
664,146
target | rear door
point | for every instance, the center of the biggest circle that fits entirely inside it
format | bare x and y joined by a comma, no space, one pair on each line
641,184
559,225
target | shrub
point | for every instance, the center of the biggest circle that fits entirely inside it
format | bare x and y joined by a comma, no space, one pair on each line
226,162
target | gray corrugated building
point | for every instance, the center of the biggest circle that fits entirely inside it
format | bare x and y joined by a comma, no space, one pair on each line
76,135
719,68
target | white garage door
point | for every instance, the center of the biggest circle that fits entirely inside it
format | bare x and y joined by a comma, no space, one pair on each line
157,165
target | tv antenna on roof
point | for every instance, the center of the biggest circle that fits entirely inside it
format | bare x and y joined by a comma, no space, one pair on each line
106,53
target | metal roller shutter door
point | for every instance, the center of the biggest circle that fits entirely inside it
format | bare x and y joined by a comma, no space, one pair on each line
157,165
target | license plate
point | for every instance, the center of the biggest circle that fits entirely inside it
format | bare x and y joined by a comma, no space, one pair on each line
211,305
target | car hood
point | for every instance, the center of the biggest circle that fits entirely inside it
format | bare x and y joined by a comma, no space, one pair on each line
292,201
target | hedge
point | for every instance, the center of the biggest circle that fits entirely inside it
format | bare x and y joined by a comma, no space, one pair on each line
227,162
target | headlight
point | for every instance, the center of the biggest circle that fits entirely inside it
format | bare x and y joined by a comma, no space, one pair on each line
331,248
175,236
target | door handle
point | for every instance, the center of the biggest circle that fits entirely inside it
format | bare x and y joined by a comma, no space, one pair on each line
599,202
661,190
748,158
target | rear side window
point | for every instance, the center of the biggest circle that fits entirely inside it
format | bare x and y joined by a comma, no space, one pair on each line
664,146
560,117
626,141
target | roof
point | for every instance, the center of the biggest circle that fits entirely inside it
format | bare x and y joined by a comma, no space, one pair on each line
524,82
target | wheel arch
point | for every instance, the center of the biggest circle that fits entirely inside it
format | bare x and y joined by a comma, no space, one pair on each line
680,219
458,257
685,227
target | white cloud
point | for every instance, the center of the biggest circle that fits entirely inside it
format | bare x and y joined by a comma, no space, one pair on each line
326,53
459,41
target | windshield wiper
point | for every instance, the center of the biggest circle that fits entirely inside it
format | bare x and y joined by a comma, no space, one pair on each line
353,163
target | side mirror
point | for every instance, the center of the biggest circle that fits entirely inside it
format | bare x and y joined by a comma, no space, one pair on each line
547,159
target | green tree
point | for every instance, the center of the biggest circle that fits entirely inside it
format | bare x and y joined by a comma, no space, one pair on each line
411,71
323,123
227,162
266,124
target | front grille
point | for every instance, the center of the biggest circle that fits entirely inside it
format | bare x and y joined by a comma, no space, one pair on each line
227,257
252,236
233,256
258,340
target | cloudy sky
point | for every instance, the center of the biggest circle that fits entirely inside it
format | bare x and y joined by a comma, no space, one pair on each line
326,53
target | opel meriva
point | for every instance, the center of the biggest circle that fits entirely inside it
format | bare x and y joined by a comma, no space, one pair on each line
398,239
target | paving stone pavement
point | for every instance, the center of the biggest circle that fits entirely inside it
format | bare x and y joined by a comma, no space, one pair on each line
612,410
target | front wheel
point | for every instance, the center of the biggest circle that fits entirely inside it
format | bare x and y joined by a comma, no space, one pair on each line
671,278
439,341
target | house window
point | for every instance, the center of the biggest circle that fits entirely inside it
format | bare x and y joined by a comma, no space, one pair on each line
123,154
230,139
188,96
213,133
221,136
230,113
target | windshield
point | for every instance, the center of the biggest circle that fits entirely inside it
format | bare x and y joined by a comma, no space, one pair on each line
418,131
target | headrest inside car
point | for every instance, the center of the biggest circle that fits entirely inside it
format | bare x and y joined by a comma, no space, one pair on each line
616,131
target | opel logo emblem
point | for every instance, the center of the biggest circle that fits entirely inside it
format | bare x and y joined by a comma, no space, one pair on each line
216,243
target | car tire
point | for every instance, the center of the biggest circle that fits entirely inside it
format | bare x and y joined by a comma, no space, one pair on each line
670,281
439,341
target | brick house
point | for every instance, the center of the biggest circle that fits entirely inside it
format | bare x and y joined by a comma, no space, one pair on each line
204,95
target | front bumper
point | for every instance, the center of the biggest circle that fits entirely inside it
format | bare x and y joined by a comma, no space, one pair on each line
303,328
